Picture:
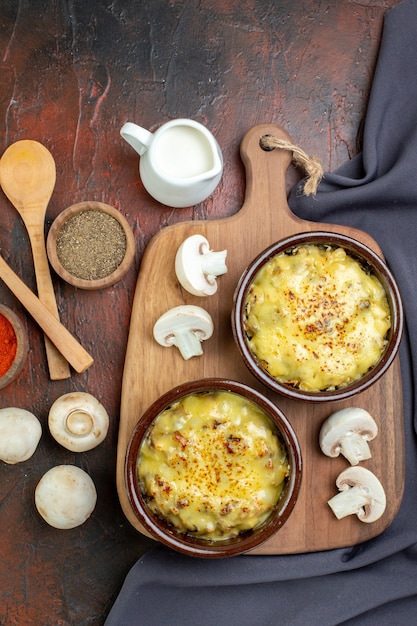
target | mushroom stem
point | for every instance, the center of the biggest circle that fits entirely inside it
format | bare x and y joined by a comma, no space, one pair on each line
188,343
350,501
355,447
214,263
79,423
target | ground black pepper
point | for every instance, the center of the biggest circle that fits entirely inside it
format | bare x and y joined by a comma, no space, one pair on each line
91,245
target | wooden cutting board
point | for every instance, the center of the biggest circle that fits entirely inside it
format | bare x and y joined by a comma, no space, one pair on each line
151,370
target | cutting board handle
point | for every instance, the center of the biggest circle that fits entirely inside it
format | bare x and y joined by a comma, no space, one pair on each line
266,172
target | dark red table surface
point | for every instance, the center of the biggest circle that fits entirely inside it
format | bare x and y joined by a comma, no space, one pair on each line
71,74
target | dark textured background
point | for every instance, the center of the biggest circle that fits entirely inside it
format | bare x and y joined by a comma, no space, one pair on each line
72,72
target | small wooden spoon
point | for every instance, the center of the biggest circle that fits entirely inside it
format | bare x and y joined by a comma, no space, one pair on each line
27,176
60,337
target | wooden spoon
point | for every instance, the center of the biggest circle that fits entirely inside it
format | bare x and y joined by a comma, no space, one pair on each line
27,176
60,337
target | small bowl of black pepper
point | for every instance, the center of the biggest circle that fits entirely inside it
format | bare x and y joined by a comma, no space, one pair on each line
90,245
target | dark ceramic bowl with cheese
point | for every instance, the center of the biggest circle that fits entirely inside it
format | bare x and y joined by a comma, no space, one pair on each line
213,469
317,317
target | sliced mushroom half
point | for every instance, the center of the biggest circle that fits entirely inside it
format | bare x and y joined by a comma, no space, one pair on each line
197,267
361,494
186,327
348,432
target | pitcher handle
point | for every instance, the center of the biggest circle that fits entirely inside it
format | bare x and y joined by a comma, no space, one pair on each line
136,136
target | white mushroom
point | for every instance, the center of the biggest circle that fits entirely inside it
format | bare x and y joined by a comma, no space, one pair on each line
20,432
347,432
78,421
361,494
197,267
186,327
65,496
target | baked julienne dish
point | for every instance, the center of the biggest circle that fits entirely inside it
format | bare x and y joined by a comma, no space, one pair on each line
316,318
212,465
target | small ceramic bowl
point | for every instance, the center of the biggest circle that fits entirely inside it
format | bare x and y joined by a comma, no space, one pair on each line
177,537
15,359
90,245
371,263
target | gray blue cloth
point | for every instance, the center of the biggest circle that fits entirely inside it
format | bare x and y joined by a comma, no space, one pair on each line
374,583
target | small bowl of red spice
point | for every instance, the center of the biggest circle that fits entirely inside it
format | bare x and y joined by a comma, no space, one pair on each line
91,245
13,346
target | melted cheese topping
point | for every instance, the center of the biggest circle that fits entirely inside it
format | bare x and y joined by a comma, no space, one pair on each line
212,465
316,319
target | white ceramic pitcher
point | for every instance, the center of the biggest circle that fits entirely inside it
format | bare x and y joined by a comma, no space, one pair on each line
180,163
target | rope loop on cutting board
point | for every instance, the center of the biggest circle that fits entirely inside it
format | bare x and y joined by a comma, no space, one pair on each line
310,164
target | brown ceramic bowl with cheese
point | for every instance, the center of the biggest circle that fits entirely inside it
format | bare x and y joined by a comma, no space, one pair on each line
213,469
317,317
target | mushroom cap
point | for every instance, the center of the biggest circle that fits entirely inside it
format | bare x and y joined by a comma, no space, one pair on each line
20,432
65,496
78,421
197,267
187,318
361,483
353,426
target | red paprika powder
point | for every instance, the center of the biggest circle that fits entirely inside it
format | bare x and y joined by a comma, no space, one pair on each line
8,344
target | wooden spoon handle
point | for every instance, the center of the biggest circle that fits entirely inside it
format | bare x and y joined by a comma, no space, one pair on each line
58,366
62,339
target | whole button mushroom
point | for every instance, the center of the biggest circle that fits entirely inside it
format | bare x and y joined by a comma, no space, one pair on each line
347,432
184,326
20,432
78,421
65,496
197,267
361,494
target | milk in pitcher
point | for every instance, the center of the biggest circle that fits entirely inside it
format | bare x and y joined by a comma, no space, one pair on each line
183,152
